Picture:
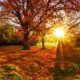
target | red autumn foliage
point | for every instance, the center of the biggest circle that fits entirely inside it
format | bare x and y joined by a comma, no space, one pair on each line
30,12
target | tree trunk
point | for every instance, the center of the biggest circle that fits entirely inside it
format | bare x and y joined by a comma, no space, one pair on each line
43,45
25,42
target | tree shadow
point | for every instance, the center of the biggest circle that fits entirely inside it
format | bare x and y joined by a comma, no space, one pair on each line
65,57
17,58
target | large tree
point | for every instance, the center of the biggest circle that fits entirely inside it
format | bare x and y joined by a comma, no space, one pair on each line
29,14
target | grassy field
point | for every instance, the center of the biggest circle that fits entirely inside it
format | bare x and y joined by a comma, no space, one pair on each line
35,64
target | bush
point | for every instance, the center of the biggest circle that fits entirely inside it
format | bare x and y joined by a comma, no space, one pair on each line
13,42
3,41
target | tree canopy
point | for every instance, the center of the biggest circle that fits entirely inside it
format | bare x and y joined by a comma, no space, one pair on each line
29,14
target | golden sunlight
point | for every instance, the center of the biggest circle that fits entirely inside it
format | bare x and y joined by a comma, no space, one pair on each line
59,32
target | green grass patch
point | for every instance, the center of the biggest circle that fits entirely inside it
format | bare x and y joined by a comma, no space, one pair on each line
10,72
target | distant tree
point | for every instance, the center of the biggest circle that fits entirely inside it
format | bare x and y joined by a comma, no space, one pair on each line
6,33
43,30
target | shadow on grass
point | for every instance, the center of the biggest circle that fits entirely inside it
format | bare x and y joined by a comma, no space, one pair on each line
20,56
65,65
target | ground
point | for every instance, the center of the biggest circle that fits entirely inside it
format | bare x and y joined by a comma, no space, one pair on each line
36,64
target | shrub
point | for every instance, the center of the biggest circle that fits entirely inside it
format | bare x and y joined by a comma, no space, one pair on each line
13,42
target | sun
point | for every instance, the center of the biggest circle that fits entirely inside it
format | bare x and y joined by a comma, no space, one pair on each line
59,32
